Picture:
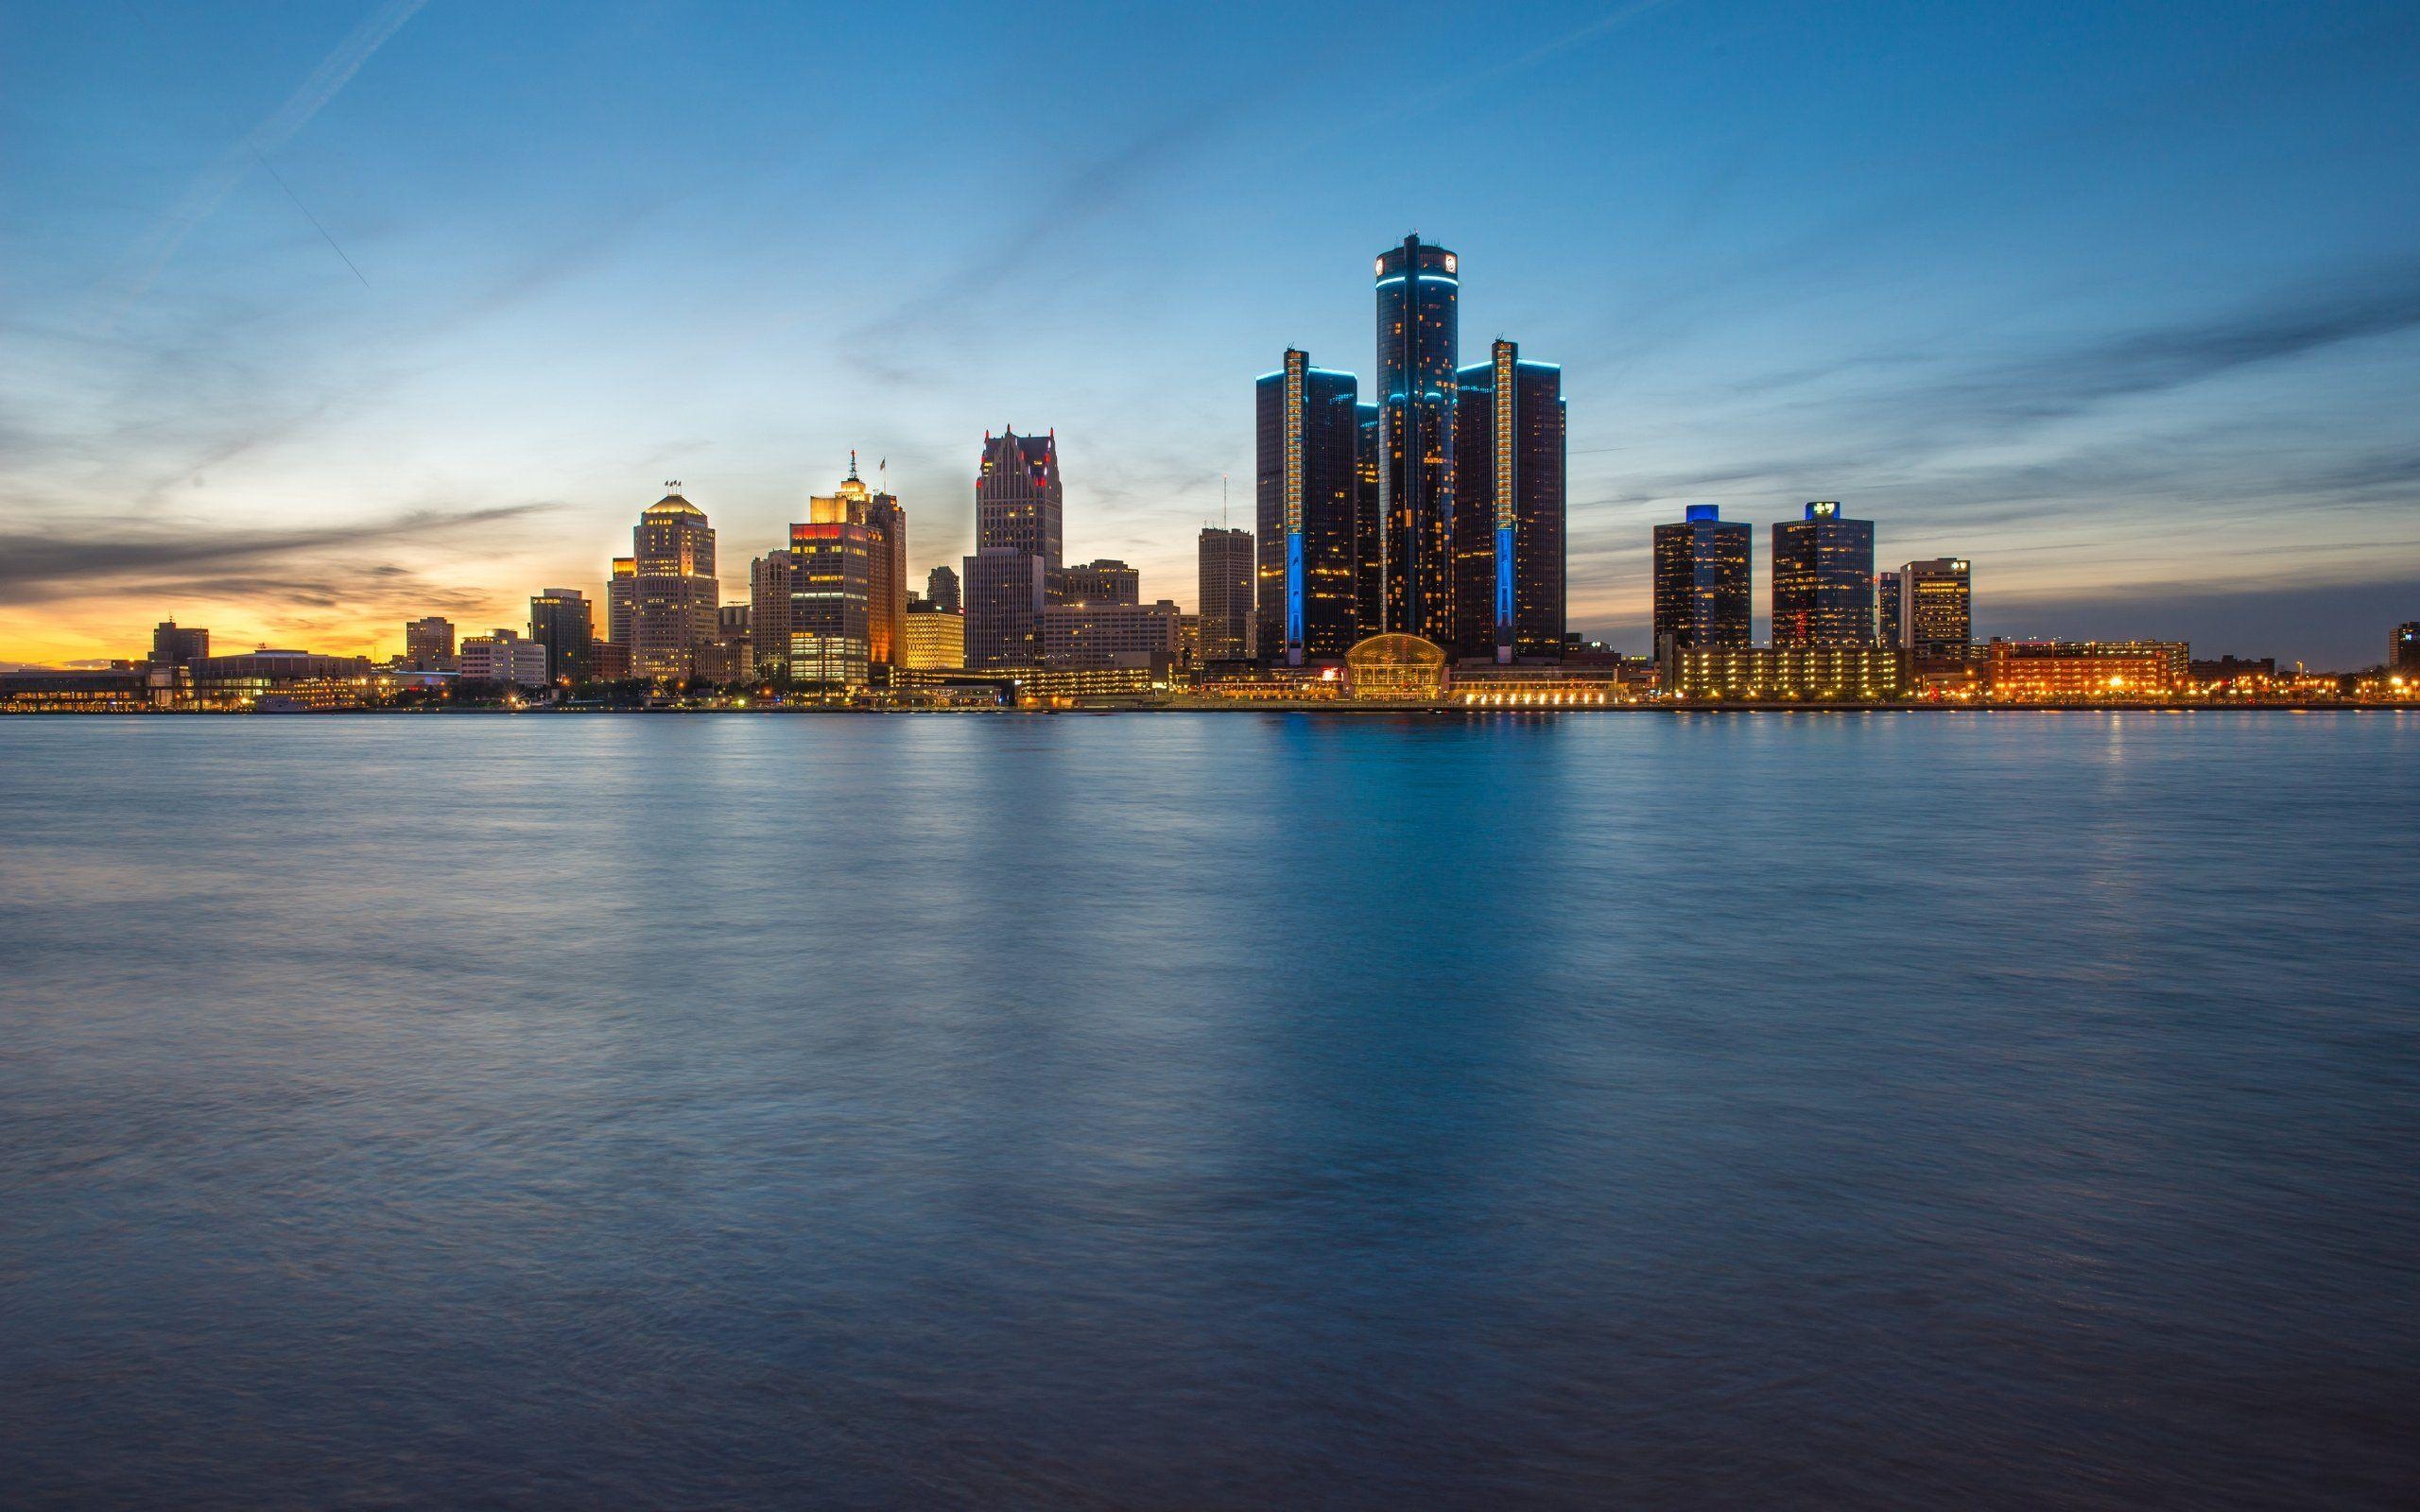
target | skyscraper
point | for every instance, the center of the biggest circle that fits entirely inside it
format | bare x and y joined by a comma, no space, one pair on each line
559,621
2403,647
1005,593
622,602
940,589
1017,506
1017,496
1305,497
1823,588
1886,607
1226,570
1936,609
429,643
1102,581
887,590
1369,556
935,638
832,596
1419,288
1508,491
769,580
1702,580
674,595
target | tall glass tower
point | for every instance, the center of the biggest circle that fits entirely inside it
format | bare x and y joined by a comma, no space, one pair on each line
1822,585
1304,491
1507,482
1419,288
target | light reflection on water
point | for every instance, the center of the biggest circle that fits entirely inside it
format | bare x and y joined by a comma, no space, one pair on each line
1222,1111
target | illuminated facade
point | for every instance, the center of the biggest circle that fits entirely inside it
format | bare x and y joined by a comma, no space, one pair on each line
1304,494
1509,497
935,638
1394,667
1097,582
1225,585
1096,635
854,502
832,597
1823,583
2085,669
1702,580
1786,674
730,658
1936,609
1419,293
559,621
1886,607
674,594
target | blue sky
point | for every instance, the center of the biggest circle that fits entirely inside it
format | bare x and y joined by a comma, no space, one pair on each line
317,317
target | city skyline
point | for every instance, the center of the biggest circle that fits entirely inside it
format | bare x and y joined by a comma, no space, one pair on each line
262,378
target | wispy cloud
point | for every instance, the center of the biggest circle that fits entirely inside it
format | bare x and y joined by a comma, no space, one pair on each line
95,556
211,187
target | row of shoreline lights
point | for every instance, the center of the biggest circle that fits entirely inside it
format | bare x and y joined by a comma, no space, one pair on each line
1527,699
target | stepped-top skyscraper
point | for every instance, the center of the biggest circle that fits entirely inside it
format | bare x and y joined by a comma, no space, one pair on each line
1418,290
1018,542
1304,491
673,592
1822,587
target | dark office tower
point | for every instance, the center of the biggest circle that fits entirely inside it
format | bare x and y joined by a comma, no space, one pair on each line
1937,608
1419,288
1226,594
1017,503
1305,497
1701,596
1018,497
940,589
559,620
2403,647
1509,493
1005,592
1102,581
1824,578
1886,608
1368,560
771,580
173,647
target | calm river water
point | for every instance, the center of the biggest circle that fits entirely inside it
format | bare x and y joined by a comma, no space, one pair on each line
1230,1110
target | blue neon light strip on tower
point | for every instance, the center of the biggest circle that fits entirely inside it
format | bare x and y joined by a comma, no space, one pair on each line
1293,588
1503,580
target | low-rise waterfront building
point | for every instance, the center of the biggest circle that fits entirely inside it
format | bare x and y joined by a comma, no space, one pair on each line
503,657
2052,670
1784,674
1110,634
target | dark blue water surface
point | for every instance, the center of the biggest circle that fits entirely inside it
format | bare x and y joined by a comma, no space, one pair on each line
1211,1111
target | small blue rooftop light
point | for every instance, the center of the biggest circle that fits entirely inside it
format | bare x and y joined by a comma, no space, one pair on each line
1702,511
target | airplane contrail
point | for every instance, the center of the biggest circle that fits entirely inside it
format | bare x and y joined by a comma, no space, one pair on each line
211,187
